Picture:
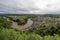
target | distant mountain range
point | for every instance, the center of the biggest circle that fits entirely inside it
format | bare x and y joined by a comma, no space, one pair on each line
29,14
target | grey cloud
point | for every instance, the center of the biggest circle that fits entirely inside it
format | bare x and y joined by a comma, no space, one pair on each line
25,6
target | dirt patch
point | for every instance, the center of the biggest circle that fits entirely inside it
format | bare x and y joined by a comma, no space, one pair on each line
21,27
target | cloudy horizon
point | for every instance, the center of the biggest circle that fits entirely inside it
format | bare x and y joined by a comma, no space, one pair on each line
30,6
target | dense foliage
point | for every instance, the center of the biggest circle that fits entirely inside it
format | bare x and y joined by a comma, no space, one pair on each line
10,34
5,23
47,29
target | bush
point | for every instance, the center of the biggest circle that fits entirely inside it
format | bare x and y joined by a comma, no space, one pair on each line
10,34
4,23
21,21
47,29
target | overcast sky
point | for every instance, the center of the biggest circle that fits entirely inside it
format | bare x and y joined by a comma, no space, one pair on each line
29,6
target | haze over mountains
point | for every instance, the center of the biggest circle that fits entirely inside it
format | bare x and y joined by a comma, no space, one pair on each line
29,6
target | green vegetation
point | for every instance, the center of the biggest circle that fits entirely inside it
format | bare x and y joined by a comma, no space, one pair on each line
10,34
44,32
21,20
46,29
4,23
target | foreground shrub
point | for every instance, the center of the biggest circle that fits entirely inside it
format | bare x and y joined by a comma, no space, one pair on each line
10,34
